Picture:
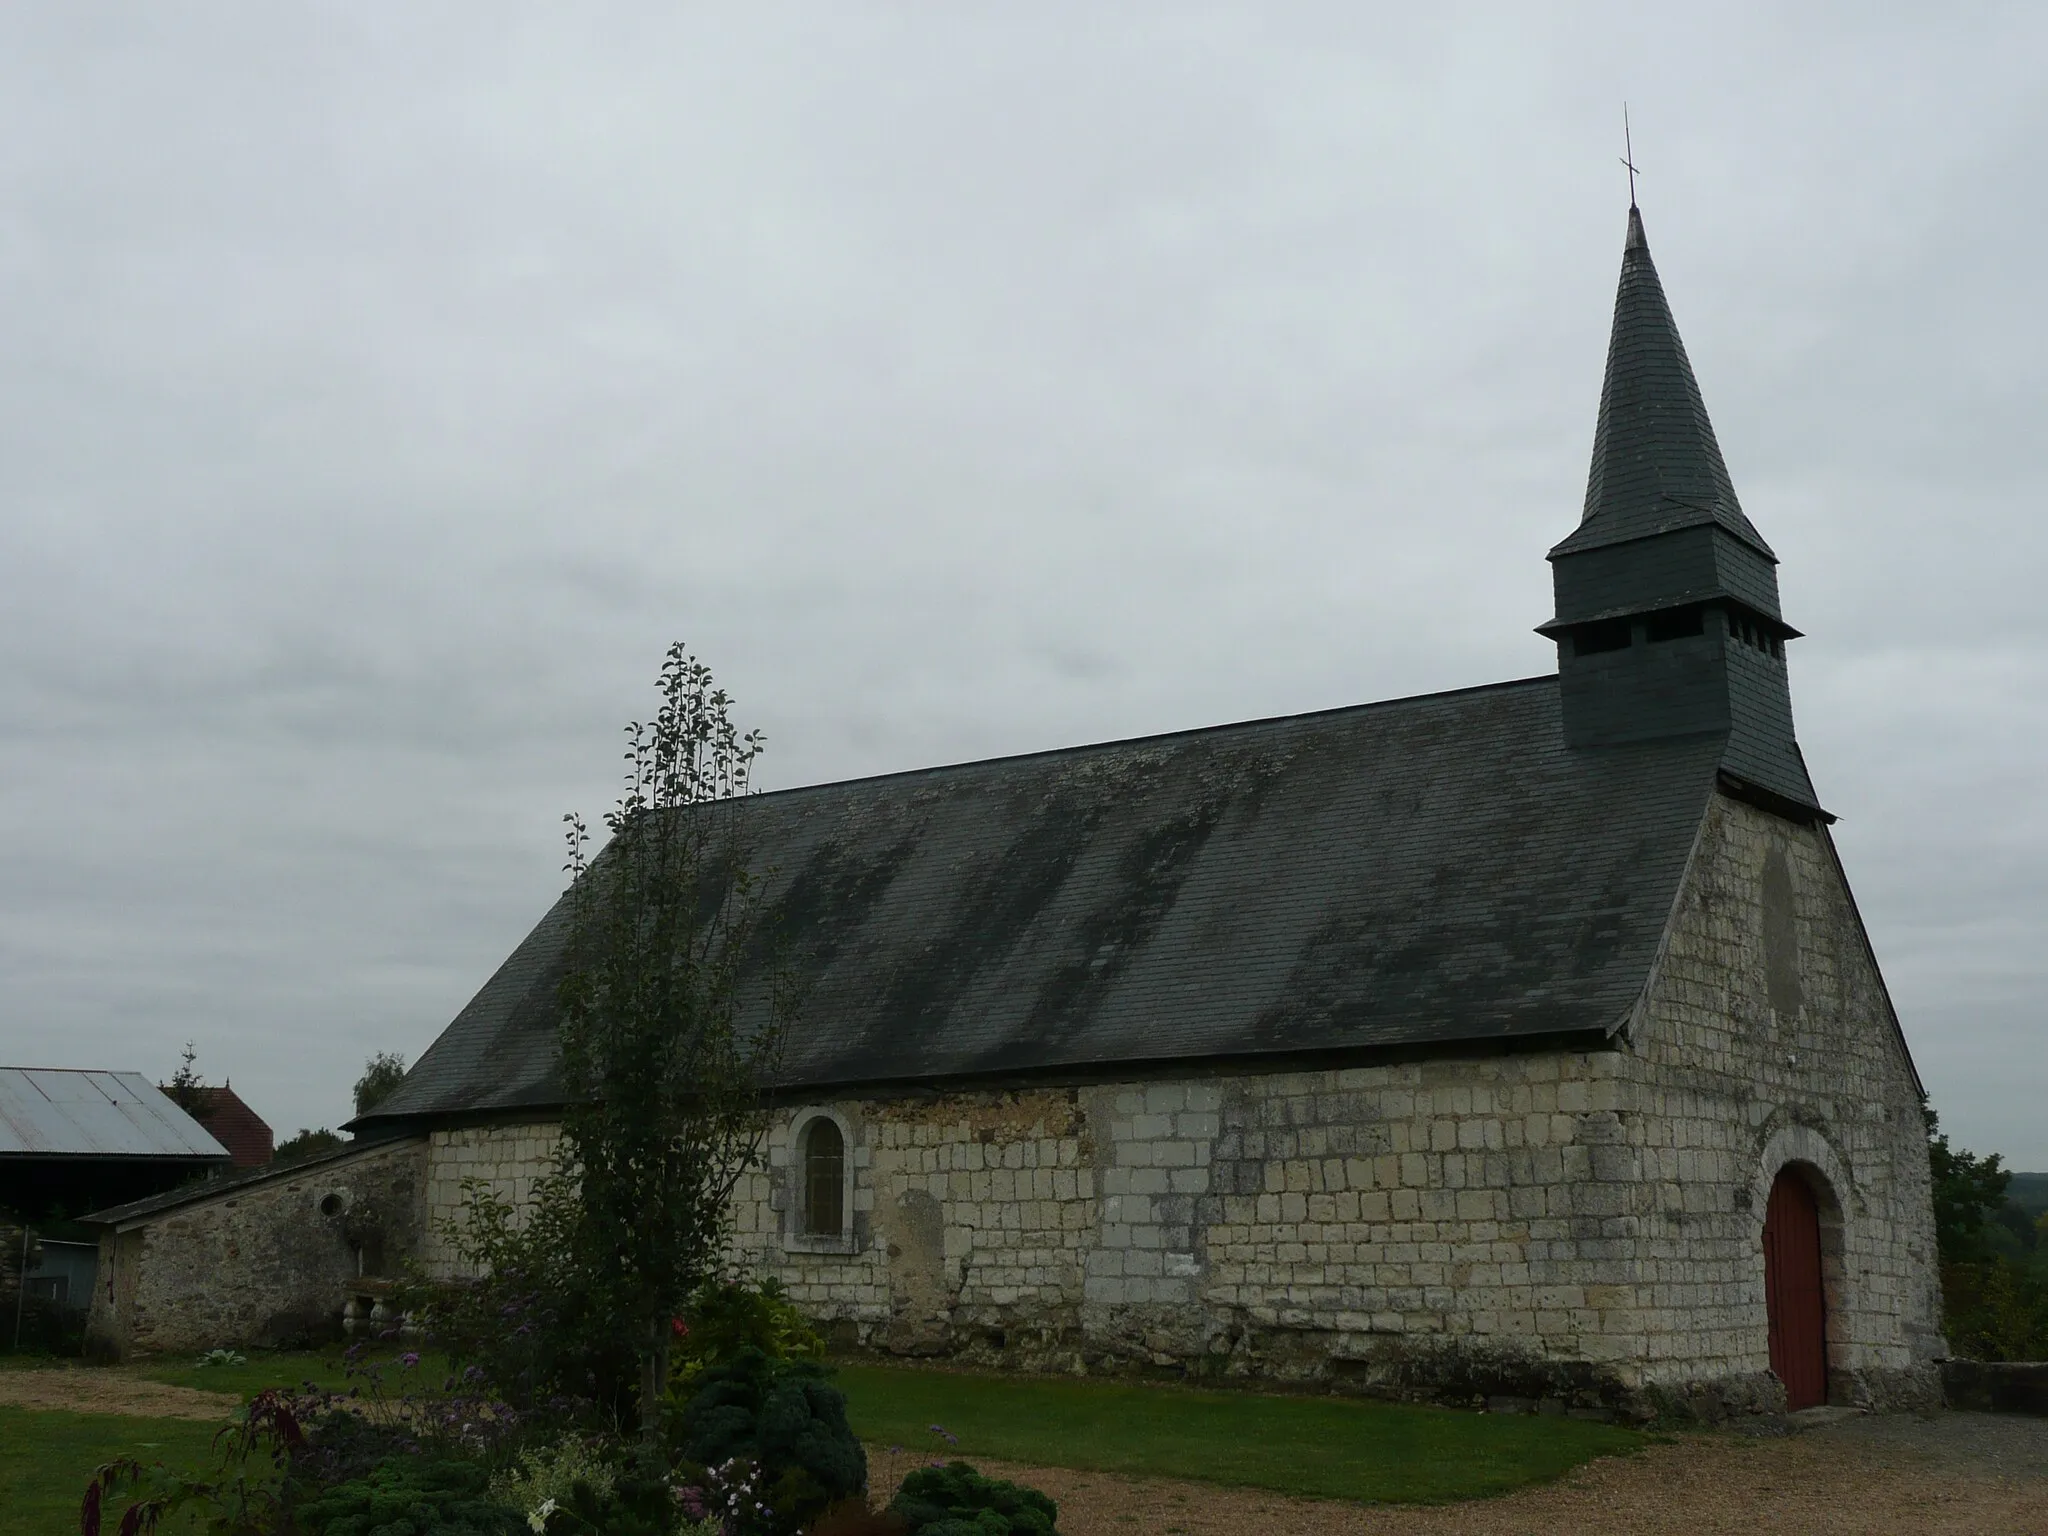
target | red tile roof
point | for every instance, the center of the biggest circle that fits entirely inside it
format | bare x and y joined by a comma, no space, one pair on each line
234,1125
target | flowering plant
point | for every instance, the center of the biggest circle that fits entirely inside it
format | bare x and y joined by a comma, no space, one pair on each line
267,1429
737,1501
544,1476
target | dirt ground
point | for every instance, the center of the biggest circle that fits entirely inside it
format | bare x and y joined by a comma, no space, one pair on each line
84,1390
1949,1474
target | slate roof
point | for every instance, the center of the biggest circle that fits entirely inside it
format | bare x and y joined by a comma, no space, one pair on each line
1428,871
1656,464
80,1112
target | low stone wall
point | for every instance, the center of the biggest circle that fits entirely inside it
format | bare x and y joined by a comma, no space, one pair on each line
264,1261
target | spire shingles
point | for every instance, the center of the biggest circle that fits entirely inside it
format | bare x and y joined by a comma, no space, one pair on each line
1656,465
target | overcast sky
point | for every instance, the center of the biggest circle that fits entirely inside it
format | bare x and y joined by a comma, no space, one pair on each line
383,386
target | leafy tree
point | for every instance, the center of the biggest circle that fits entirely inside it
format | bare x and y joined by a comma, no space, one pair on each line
296,1149
663,1080
382,1074
1968,1191
1994,1308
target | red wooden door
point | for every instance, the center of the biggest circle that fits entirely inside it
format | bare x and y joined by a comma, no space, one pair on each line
1792,1292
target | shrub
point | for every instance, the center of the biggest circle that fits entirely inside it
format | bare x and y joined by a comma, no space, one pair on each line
525,1332
552,1472
352,1431
632,1505
727,1317
956,1500
786,1418
852,1517
41,1327
343,1444
412,1497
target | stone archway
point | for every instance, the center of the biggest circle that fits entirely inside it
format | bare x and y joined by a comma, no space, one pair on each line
1795,1300
1821,1221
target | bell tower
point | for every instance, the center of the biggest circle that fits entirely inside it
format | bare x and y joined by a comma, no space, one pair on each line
1667,620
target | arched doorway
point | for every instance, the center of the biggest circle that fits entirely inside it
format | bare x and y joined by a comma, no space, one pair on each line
1793,1297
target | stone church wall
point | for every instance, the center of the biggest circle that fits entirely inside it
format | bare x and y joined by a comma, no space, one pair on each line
1582,1228
1767,1040
505,1160
1409,1227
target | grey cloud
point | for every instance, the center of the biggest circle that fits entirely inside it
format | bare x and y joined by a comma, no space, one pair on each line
383,388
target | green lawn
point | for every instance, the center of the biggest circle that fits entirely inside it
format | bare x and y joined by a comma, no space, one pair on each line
287,1368
1338,1448
261,1368
47,1458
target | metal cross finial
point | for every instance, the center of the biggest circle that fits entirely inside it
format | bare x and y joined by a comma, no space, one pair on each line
1629,157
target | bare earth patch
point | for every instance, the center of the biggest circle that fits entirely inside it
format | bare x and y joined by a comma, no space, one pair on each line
89,1390
1902,1476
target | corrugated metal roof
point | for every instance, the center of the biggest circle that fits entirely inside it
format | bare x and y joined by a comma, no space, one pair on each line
58,1112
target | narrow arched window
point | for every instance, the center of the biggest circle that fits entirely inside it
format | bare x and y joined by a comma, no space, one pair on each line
824,1179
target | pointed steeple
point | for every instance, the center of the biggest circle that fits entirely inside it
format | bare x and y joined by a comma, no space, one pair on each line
1667,618
1656,465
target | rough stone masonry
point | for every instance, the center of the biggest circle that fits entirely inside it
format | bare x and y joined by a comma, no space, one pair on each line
1578,1228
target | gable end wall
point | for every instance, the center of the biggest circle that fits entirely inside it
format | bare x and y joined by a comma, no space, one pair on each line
1767,1040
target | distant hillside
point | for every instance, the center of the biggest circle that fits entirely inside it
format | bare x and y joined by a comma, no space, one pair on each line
2029,1191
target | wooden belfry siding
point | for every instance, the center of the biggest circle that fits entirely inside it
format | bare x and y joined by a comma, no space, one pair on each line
1792,1292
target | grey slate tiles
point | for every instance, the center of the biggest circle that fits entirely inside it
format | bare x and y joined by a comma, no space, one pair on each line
1426,871
1656,464
1450,871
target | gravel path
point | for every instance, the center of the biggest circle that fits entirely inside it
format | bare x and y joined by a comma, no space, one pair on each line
1948,1474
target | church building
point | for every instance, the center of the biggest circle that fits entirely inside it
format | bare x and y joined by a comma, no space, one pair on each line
1521,1042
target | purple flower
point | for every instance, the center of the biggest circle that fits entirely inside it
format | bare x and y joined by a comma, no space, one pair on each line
408,1360
940,1429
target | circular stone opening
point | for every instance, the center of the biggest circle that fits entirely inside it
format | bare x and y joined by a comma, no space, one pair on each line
333,1203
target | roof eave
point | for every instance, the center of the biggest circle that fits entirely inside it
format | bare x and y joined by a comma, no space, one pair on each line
1552,628
1764,798
1590,535
1592,1035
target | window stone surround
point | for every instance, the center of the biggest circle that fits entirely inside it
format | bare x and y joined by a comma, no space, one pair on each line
786,1153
